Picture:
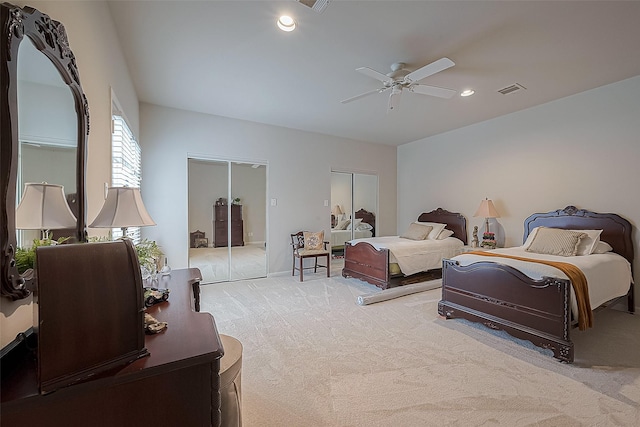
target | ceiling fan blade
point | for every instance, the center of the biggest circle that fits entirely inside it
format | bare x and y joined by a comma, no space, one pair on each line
362,95
394,99
374,74
440,92
428,70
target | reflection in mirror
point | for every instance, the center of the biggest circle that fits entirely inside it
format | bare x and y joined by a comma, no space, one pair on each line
47,140
248,221
227,220
27,25
208,187
354,201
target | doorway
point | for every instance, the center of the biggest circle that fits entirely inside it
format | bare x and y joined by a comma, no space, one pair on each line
227,205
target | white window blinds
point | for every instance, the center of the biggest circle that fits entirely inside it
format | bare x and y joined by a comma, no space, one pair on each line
126,165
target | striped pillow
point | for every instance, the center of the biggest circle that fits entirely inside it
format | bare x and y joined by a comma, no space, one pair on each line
556,241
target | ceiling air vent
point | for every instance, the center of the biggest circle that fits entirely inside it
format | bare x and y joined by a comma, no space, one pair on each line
317,5
511,89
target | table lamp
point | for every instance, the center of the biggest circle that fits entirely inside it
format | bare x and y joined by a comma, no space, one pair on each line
337,212
487,210
123,208
44,207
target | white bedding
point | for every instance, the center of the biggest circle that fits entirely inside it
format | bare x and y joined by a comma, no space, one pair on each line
340,237
608,275
414,256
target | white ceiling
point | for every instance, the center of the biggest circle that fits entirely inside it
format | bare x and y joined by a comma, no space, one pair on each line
228,58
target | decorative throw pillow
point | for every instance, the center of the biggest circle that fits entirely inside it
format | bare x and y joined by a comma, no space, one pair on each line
313,240
342,225
436,229
530,237
556,241
417,231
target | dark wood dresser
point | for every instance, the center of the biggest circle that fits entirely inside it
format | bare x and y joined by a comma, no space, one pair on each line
221,224
176,385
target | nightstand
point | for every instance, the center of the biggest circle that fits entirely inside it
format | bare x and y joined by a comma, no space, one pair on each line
467,248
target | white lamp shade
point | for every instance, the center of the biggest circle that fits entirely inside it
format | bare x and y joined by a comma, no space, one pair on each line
44,207
337,210
487,210
123,208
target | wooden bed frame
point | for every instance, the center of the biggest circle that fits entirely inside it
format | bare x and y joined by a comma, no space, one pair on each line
503,298
363,261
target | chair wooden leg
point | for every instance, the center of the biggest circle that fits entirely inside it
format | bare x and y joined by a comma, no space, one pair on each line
301,268
293,269
315,266
328,265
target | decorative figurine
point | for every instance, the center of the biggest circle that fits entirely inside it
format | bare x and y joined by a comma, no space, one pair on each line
475,241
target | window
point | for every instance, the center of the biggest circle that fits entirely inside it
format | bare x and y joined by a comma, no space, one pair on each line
126,165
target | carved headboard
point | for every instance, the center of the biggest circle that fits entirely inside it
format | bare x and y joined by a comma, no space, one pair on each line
368,217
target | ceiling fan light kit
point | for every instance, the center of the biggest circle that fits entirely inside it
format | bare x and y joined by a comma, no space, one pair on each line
400,78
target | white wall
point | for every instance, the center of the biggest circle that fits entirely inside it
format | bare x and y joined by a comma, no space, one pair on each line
93,40
299,168
582,150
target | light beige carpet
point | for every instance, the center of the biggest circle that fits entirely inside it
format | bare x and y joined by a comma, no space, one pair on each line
247,262
313,357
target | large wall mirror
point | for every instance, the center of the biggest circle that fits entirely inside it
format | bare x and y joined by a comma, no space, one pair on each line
354,207
227,219
45,123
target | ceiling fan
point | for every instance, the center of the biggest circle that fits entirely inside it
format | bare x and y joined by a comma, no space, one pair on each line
400,78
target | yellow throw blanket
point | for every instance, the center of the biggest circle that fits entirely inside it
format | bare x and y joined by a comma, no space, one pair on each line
578,281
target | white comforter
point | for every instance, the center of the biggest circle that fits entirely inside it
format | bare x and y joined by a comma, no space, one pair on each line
340,237
608,275
414,256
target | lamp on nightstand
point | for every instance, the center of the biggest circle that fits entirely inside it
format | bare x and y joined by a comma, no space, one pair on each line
337,212
487,210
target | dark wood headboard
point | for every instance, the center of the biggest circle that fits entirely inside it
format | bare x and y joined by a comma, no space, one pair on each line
368,217
455,222
616,230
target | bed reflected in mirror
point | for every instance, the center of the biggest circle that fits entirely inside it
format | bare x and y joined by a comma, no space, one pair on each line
354,201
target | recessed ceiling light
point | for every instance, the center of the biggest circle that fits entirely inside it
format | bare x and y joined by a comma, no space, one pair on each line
467,92
286,23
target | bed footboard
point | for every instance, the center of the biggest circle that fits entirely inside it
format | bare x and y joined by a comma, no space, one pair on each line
363,261
502,298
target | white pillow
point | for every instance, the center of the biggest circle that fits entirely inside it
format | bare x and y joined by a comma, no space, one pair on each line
435,232
556,241
364,226
602,248
355,223
444,234
416,232
342,225
530,237
588,244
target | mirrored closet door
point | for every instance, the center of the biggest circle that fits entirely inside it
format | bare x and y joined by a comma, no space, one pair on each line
227,219
354,205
